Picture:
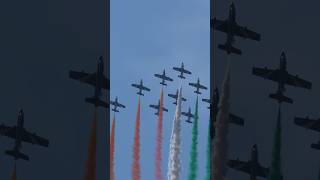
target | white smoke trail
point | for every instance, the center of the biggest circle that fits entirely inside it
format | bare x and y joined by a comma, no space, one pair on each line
174,166
221,137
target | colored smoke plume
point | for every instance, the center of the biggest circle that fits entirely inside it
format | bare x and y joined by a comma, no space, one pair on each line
90,172
193,166
158,172
112,147
175,143
221,130
136,147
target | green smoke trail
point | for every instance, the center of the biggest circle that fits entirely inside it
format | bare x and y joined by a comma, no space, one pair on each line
193,166
275,170
208,154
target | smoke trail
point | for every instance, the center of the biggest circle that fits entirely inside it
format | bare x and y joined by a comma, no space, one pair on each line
158,173
208,167
136,147
193,166
90,173
275,170
14,173
220,142
112,144
175,141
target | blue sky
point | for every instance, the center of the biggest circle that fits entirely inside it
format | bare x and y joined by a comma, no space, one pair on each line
147,37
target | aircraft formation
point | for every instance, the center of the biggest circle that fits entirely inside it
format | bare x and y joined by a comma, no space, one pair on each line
279,75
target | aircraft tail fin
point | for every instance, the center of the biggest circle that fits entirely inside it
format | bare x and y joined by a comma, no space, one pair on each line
316,146
17,154
181,76
115,110
229,49
140,93
281,98
97,102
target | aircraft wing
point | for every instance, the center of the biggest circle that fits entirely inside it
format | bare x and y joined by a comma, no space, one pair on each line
219,25
8,131
308,123
202,87
246,33
145,88
263,72
172,95
183,99
165,109
236,119
154,106
89,79
296,81
121,105
168,78
184,113
246,167
186,71
193,84
34,139
158,75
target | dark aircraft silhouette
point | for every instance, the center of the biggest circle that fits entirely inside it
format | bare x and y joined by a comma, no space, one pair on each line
140,87
181,70
316,145
116,104
20,134
231,28
96,79
282,77
15,152
232,118
157,107
198,86
189,115
311,124
279,96
163,77
251,167
175,96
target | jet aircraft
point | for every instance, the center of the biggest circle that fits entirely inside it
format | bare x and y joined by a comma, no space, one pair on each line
175,96
96,79
189,115
20,134
231,28
198,86
157,107
251,167
141,88
163,77
181,70
282,77
116,104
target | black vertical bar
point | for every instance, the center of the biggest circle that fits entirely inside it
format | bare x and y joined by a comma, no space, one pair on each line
213,82
107,55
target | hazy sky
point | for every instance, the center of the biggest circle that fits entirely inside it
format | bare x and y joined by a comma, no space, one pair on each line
147,37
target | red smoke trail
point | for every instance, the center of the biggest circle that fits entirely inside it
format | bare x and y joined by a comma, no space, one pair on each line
136,147
158,173
112,148
14,173
90,173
